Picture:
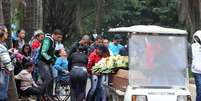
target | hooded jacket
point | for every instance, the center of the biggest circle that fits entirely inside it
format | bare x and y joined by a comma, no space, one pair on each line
196,54
47,50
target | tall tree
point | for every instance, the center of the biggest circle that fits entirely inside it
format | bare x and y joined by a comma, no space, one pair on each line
6,4
189,12
194,15
30,15
39,17
99,14
60,14
79,11
28,18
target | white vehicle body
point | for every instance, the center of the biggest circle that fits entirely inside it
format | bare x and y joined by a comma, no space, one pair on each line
171,94
157,64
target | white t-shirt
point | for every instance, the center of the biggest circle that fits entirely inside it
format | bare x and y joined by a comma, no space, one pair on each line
196,54
59,46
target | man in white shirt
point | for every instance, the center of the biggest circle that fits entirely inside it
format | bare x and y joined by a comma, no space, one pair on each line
196,63
59,44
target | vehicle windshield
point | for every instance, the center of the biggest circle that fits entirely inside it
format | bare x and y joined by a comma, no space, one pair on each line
157,60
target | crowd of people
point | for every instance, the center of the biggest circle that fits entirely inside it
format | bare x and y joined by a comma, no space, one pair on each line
44,58
36,64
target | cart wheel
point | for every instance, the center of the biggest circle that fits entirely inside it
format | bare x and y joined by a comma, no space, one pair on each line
62,91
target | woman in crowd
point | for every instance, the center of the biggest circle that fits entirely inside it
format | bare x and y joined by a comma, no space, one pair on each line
6,66
22,57
35,44
26,52
78,73
28,86
97,91
18,40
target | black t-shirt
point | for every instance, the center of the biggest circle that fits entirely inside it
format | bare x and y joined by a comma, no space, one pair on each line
78,59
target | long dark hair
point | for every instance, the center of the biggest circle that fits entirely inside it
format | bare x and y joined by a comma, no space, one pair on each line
28,64
104,50
20,30
26,45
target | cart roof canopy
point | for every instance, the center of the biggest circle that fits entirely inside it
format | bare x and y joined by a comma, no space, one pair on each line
148,29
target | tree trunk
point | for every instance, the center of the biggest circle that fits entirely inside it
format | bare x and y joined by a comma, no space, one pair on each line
182,9
189,12
99,14
79,17
1,13
28,18
37,14
194,15
40,14
6,4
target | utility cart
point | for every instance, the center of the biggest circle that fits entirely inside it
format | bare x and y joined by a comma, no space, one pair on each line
157,69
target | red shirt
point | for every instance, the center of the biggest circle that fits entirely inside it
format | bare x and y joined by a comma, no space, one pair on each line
36,44
150,52
92,59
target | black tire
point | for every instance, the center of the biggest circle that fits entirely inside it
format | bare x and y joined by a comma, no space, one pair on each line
62,86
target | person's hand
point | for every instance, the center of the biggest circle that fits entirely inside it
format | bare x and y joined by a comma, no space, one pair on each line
28,58
89,71
94,73
11,50
66,72
51,61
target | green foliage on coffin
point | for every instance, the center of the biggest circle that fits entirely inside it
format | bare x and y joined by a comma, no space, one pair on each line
107,65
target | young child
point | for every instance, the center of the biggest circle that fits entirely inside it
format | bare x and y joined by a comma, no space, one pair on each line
60,68
28,86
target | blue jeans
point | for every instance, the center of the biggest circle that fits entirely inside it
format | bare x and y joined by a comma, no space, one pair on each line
97,91
35,73
101,94
94,81
54,72
198,86
4,83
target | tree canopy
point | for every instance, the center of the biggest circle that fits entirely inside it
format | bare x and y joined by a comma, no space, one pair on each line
76,17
